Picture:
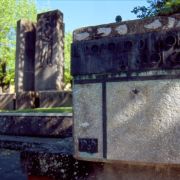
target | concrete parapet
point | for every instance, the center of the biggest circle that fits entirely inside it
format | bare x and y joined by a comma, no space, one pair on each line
36,124
126,85
157,23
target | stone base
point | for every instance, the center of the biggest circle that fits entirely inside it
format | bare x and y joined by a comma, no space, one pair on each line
7,101
55,99
36,124
44,158
26,100
138,122
43,99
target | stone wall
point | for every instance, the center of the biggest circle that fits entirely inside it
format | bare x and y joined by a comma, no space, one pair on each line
36,124
126,85
43,99
158,23
31,99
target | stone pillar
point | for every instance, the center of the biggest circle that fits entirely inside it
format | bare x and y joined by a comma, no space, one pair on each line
49,58
25,56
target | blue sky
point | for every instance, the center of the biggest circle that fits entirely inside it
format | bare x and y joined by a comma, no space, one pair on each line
82,13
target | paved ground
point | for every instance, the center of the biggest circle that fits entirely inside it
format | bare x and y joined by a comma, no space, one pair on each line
10,165
13,147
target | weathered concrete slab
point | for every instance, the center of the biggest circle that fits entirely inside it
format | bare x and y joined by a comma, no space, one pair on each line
36,124
25,56
158,23
143,121
87,109
49,59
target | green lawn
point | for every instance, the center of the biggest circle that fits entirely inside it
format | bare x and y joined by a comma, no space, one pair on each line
41,110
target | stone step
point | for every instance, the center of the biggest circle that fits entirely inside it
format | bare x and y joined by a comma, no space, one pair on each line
36,124
37,144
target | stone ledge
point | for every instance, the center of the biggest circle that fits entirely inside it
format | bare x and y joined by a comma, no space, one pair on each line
157,23
36,144
41,124
35,114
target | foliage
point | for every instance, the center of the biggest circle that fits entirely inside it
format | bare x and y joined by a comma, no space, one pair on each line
10,12
157,7
43,110
171,6
67,56
118,18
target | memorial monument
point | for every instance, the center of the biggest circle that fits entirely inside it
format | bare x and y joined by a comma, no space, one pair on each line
25,56
39,73
49,59
126,91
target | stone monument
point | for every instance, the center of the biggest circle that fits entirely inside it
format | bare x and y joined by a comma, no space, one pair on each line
126,91
49,59
25,56
40,62
24,67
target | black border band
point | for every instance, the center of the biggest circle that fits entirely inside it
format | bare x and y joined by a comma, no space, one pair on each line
104,119
119,79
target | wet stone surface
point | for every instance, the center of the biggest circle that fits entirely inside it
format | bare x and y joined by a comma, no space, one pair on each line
33,165
10,165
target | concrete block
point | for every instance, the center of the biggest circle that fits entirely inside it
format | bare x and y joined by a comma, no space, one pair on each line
87,100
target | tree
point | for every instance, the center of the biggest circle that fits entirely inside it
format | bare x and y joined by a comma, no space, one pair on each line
118,18
157,7
67,57
10,12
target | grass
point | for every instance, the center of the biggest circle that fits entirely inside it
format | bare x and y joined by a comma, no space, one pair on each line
42,110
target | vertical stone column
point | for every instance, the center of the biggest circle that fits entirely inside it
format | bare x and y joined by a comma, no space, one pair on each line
49,58
25,56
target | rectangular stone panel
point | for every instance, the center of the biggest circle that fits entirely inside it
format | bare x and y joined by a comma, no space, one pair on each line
143,121
25,56
129,53
87,106
49,59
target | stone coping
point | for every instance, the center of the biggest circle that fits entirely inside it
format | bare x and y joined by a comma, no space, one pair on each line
36,114
37,144
138,26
